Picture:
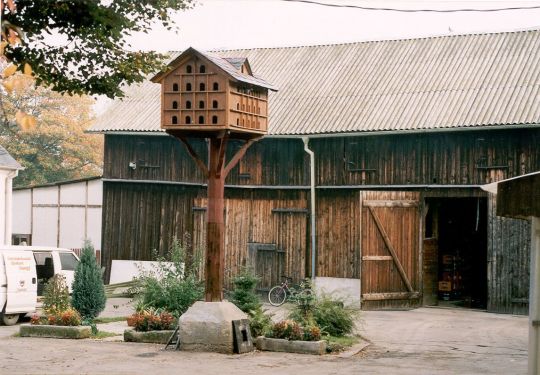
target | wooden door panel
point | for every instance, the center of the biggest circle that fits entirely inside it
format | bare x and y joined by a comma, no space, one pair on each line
390,249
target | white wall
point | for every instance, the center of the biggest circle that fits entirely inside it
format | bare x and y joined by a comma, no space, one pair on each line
63,215
346,289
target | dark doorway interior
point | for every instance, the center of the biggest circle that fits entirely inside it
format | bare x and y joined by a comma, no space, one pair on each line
455,251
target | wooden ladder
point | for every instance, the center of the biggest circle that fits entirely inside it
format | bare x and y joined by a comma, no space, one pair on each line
174,339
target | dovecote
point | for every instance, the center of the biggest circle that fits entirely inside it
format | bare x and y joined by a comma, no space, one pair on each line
203,94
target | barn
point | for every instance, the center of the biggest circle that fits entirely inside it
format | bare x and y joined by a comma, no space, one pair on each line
369,177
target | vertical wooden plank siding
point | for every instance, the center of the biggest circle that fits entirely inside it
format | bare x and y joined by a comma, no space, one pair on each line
338,234
508,262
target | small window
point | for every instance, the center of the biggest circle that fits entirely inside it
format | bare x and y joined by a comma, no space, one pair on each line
188,120
202,69
201,104
214,104
243,107
188,104
237,121
202,87
174,104
174,120
188,86
175,87
242,122
68,261
201,119
258,109
238,106
214,119
216,86
189,69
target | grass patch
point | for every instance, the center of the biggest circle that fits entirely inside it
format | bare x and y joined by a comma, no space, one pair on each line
338,344
16,334
110,320
103,335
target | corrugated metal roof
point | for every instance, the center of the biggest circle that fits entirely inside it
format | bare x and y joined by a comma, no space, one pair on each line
438,83
7,161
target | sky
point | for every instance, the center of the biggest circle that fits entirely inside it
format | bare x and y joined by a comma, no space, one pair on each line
230,24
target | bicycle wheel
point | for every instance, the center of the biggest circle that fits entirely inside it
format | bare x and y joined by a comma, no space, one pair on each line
277,295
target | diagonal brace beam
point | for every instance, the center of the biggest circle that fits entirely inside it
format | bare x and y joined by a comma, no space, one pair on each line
391,249
239,154
195,157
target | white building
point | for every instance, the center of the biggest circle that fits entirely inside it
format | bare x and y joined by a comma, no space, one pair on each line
61,214
9,168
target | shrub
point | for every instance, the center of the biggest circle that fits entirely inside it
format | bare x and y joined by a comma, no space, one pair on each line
260,323
151,320
170,287
287,329
243,294
312,333
88,292
56,295
333,318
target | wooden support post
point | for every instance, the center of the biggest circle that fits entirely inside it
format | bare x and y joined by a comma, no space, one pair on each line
215,226
215,251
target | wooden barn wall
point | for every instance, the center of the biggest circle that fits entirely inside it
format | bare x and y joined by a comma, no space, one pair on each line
141,218
163,158
338,233
274,224
456,158
508,262
451,158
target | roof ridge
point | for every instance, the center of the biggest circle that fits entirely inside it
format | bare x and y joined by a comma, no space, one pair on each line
532,29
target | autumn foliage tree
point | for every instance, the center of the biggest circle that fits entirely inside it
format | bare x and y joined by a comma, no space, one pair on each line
55,147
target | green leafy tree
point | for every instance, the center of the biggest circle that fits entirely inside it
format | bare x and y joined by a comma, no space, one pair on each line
88,296
244,294
55,295
93,55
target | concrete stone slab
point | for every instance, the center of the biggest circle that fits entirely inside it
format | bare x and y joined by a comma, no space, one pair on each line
152,337
288,346
207,326
57,332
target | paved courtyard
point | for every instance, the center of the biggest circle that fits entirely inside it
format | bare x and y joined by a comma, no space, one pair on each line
421,341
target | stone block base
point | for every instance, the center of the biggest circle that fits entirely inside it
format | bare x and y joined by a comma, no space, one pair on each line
207,326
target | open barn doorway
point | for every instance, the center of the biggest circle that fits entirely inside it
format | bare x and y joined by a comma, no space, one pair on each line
455,252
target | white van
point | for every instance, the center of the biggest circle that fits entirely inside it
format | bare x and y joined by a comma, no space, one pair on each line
24,270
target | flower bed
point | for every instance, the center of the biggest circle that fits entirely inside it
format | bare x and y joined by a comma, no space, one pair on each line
150,326
54,331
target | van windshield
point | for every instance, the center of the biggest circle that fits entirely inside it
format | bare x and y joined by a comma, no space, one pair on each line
68,261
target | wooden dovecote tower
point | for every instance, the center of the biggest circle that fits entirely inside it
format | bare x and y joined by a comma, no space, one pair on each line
207,96
203,94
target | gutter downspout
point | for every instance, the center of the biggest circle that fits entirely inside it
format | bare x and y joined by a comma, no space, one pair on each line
312,200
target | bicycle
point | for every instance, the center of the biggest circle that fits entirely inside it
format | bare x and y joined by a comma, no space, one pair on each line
280,293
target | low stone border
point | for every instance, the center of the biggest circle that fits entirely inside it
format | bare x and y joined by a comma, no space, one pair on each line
57,332
152,337
281,345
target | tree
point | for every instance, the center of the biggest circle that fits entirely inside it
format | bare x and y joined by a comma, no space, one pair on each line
93,59
55,148
88,296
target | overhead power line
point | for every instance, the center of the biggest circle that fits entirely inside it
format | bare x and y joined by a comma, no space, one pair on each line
312,2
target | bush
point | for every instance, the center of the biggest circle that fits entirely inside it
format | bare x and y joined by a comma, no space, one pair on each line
151,320
88,296
260,323
56,295
170,287
327,313
287,329
243,294
333,318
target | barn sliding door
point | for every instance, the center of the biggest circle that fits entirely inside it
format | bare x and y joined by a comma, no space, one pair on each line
390,249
